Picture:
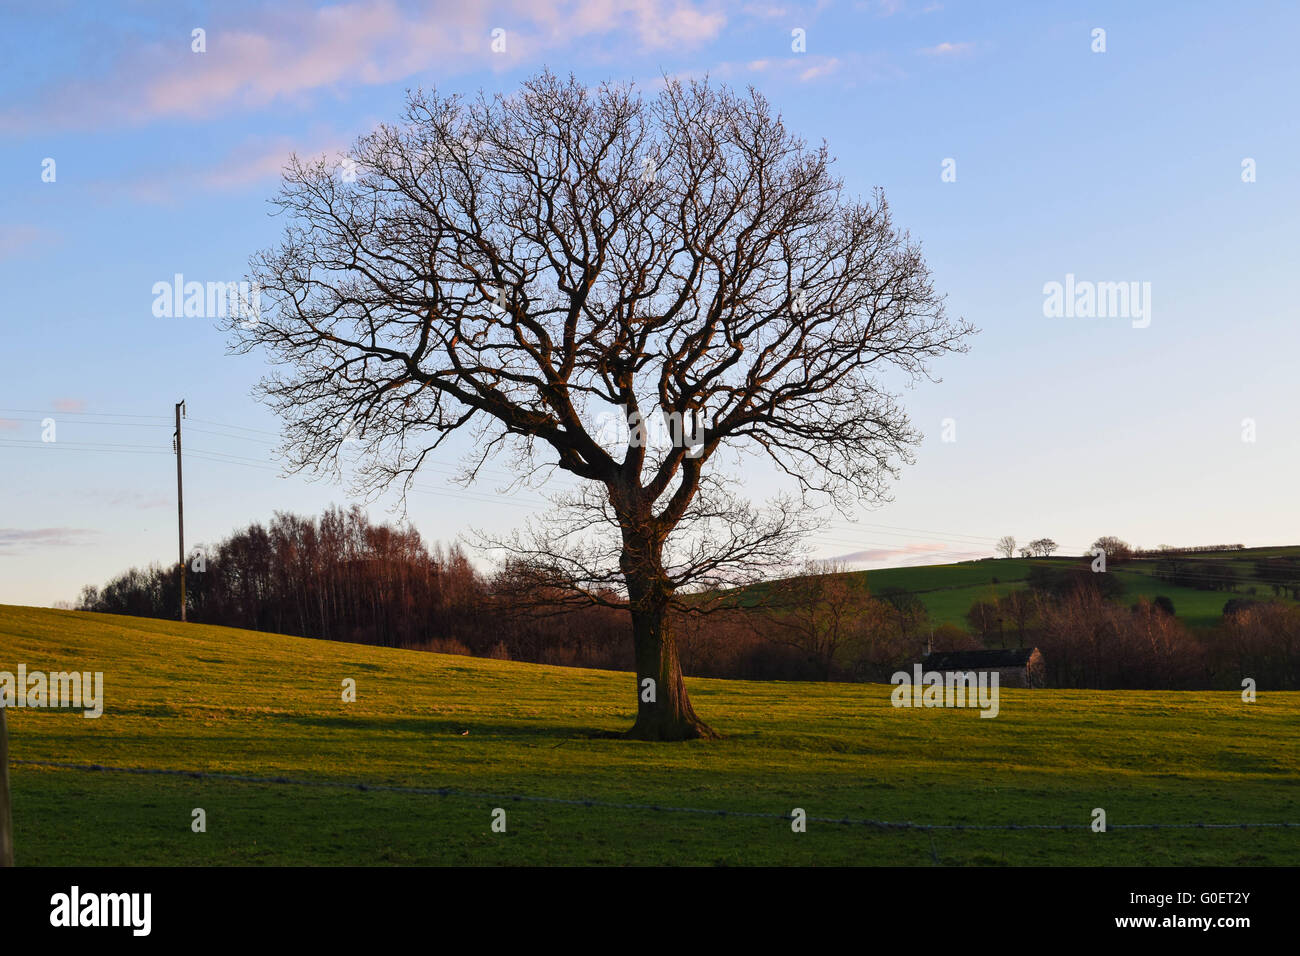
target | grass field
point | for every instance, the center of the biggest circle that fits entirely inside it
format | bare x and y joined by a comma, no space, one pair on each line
218,699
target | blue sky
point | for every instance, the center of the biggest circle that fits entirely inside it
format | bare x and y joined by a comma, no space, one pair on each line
1117,166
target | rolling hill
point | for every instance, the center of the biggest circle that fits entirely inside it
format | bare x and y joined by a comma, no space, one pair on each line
220,700
948,590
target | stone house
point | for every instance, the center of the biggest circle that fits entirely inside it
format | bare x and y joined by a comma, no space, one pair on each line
1016,667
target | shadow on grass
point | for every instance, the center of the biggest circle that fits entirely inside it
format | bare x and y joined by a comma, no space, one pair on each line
469,728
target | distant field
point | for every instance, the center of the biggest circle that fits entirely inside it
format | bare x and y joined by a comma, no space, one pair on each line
948,590
218,699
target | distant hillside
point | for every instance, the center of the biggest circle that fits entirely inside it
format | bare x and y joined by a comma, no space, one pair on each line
949,590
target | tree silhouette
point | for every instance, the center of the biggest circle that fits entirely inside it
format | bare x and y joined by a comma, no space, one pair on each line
531,267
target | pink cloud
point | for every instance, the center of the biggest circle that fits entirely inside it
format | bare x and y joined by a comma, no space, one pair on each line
258,162
818,70
339,45
656,24
919,549
277,57
23,539
16,240
69,405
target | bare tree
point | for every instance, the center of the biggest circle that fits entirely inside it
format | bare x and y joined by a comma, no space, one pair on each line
1019,606
1006,546
821,611
1117,549
984,616
1043,547
525,267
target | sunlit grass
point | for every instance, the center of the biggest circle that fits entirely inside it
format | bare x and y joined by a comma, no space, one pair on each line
219,699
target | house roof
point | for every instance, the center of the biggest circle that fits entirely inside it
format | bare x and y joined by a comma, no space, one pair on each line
974,660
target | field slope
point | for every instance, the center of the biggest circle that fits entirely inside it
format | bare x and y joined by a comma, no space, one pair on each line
223,700
949,590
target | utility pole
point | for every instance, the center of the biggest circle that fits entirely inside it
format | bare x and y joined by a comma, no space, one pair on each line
180,503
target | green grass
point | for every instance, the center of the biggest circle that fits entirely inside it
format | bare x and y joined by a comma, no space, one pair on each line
1197,609
931,577
224,700
949,590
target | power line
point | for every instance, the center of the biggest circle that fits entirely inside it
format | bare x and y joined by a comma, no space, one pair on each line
209,431
244,428
953,554
108,424
72,446
956,538
53,413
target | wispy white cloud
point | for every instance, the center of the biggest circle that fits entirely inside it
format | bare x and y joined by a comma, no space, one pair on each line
824,68
804,68
947,49
14,540
765,11
654,24
889,8
135,500
258,160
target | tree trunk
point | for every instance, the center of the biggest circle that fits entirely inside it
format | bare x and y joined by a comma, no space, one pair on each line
663,710
663,705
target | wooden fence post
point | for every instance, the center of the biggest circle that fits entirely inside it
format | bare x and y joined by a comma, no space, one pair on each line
6,818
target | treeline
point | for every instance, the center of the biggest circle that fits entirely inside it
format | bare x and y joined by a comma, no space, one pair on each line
342,577
1201,575
1280,575
822,624
1091,637
1116,548
1165,549
1087,641
338,577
